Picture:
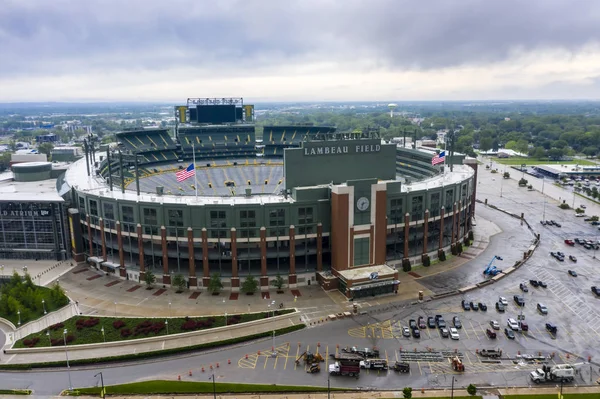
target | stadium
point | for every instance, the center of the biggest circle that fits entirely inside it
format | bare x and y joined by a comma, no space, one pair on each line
307,203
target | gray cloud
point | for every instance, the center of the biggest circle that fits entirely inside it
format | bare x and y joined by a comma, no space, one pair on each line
62,37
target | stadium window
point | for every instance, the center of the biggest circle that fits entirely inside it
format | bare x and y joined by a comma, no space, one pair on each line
93,207
434,204
175,219
109,214
396,211
82,205
150,221
417,208
449,200
305,215
128,218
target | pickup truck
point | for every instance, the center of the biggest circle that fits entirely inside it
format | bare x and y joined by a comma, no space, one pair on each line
494,353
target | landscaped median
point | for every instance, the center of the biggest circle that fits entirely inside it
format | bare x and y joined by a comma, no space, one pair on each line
93,330
153,354
192,387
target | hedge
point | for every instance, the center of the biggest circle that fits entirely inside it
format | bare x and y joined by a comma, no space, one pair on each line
153,354
88,330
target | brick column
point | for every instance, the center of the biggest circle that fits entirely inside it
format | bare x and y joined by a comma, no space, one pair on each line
205,270
141,252
406,232
292,278
192,261
319,247
441,229
452,237
235,278
165,255
90,240
121,252
104,257
264,279
425,231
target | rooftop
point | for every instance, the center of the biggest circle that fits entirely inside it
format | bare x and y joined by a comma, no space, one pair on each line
34,191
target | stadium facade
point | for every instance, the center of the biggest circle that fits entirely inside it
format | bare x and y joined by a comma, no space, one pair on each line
306,203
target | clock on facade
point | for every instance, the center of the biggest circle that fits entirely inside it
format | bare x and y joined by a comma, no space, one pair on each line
362,204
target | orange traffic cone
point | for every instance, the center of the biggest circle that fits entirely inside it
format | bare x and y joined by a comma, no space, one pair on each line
178,378
228,361
190,373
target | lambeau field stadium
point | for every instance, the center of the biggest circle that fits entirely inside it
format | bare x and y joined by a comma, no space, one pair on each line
307,203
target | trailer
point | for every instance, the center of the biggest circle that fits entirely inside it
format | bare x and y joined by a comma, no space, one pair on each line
364,352
374,364
493,353
350,370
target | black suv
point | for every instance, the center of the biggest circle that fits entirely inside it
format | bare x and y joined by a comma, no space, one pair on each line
430,322
474,306
465,305
519,300
551,328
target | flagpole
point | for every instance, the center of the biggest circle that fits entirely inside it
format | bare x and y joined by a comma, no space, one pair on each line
194,163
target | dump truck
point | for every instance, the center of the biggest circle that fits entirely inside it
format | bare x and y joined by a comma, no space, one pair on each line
493,353
401,367
374,364
559,372
338,368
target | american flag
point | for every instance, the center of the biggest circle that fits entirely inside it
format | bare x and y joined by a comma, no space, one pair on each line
190,171
439,158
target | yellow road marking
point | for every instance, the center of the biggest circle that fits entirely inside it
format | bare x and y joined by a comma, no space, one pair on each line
297,355
327,358
467,334
266,361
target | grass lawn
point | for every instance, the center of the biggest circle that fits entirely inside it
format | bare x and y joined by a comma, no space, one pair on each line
15,392
88,330
554,396
534,161
189,387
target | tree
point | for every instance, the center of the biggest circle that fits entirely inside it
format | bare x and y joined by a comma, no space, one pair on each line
250,285
214,284
522,182
579,210
45,148
539,152
278,282
149,279
506,175
180,282
407,392
471,389
485,144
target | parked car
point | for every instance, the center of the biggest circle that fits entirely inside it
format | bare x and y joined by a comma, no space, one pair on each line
519,300
490,333
500,307
444,332
406,331
474,306
421,322
572,258
430,322
572,273
534,283
596,290
503,300
551,328
523,287
456,322
509,333
482,306
412,324
495,325
542,284
542,308
570,242
454,333
512,324
416,333
523,326
465,305
582,206
499,257
557,224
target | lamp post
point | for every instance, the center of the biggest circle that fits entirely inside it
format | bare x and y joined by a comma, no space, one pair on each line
169,309
67,356
214,386
167,325
103,336
19,313
274,352
328,387
115,309
561,386
44,305
225,319
452,390
102,393
48,335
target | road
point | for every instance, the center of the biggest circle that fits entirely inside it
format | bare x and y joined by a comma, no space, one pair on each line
572,307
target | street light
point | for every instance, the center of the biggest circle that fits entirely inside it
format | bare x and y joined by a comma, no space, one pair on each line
214,386
102,393
44,305
452,391
115,309
274,352
48,335
169,309
328,387
167,325
103,336
67,356
19,313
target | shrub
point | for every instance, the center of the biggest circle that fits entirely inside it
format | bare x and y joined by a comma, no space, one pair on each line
31,342
126,332
564,206
56,326
118,324
406,265
425,259
471,389
441,255
189,325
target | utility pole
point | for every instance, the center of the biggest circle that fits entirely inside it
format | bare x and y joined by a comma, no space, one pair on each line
102,393
452,390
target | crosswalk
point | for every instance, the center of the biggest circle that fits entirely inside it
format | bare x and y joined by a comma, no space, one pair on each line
571,300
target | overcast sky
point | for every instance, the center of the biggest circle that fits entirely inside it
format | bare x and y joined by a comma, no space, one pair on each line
305,50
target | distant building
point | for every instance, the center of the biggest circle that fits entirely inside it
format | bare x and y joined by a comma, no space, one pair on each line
47,138
66,154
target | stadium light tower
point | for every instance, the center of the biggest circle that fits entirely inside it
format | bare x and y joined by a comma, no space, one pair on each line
392,107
